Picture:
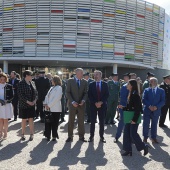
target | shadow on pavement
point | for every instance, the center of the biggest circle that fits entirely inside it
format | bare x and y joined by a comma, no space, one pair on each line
67,156
41,151
12,149
110,129
94,157
15,126
132,162
160,155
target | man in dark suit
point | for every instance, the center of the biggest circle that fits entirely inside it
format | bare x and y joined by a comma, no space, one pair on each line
153,100
76,93
14,82
88,111
42,86
166,86
98,93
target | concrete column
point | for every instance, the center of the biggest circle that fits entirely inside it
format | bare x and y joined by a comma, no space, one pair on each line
114,68
5,66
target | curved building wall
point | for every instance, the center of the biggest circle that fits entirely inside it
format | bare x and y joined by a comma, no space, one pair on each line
115,30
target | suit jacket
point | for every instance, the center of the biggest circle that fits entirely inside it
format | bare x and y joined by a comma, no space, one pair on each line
166,87
104,94
42,85
135,104
15,86
8,93
124,92
113,90
149,100
24,94
75,93
53,99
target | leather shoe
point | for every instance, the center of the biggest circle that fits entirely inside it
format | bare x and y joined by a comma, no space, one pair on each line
163,126
102,140
116,140
145,140
155,141
90,139
112,122
69,139
127,153
146,150
82,139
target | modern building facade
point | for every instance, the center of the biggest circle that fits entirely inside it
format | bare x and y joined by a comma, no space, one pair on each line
125,33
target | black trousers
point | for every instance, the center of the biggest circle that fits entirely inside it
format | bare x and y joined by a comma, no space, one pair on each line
63,101
40,109
101,114
15,106
164,111
88,111
52,127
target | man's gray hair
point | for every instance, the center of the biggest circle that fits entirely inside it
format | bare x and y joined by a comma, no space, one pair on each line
155,79
98,71
78,69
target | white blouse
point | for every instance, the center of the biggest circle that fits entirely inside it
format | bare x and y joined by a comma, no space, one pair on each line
2,91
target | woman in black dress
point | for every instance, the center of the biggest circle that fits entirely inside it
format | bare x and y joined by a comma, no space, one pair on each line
27,95
130,130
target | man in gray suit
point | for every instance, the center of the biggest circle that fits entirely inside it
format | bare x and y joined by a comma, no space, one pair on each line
77,94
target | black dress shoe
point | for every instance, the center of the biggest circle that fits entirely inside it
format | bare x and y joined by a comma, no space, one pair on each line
155,141
69,139
145,140
102,140
57,136
116,140
163,126
48,139
146,150
82,139
91,139
63,120
127,153
54,139
112,122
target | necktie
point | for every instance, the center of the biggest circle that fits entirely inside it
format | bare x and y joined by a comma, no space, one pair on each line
153,92
78,83
98,91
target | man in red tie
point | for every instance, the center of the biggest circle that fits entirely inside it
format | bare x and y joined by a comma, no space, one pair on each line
98,94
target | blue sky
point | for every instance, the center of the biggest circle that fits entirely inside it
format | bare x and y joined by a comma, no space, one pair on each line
163,3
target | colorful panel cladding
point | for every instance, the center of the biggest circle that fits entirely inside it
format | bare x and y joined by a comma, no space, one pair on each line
166,48
105,29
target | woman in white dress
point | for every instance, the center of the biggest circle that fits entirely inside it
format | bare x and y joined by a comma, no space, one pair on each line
6,110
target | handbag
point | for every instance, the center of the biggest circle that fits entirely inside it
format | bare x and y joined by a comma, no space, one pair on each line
128,116
48,117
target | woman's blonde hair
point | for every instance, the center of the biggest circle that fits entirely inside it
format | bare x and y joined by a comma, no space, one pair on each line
4,75
57,80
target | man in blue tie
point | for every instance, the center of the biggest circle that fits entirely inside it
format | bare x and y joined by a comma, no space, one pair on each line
153,100
98,93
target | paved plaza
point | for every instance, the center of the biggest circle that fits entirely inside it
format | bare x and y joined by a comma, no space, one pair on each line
42,155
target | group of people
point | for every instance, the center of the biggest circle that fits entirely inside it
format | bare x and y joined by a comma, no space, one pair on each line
95,97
